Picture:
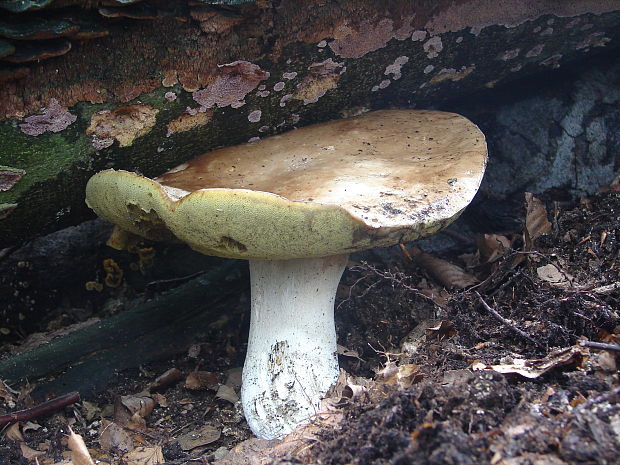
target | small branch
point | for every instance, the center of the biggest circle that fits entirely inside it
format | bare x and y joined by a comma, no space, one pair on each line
600,346
599,399
41,409
506,322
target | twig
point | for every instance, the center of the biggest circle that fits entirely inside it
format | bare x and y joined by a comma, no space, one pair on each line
506,322
598,399
600,345
41,409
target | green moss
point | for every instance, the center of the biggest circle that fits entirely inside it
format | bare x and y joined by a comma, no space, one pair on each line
42,158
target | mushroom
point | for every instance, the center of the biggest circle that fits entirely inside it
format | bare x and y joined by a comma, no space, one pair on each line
295,205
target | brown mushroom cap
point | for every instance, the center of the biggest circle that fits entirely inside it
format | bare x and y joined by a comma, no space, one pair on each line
374,180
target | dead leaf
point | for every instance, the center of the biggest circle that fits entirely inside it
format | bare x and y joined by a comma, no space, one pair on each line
201,437
405,376
7,394
342,350
492,246
141,405
160,399
144,456
227,393
115,438
14,433
444,330
30,426
28,453
234,378
536,222
451,276
90,410
79,452
169,377
554,276
537,367
199,380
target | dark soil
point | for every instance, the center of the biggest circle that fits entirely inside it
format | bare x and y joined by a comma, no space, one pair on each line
449,412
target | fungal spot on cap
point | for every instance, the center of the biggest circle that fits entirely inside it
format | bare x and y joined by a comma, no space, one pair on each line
148,223
229,244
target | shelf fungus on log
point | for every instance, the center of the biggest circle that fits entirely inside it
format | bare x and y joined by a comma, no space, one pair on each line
295,205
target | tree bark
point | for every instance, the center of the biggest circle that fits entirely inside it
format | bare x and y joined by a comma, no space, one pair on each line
157,91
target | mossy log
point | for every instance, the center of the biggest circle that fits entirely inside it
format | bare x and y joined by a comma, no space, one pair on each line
86,359
147,88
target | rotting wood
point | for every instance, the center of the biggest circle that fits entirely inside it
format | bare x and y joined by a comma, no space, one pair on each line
160,78
85,360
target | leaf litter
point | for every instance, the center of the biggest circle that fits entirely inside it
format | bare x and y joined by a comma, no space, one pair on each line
502,351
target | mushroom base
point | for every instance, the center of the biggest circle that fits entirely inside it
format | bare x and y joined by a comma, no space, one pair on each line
291,360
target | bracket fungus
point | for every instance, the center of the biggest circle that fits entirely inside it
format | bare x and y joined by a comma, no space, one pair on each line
295,205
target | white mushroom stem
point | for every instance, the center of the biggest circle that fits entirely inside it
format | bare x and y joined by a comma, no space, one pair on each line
291,360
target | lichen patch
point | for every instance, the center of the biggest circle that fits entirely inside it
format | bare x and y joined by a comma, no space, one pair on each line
54,118
9,177
433,46
323,76
234,81
123,124
355,42
188,121
452,74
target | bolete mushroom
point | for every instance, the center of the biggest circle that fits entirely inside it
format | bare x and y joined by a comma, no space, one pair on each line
295,205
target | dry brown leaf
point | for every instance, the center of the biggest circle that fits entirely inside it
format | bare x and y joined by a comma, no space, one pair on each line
29,453
161,400
342,350
234,378
144,456
201,437
79,452
199,380
14,433
405,375
448,274
538,367
141,405
7,394
536,222
31,426
554,276
492,246
167,378
227,393
444,330
115,438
